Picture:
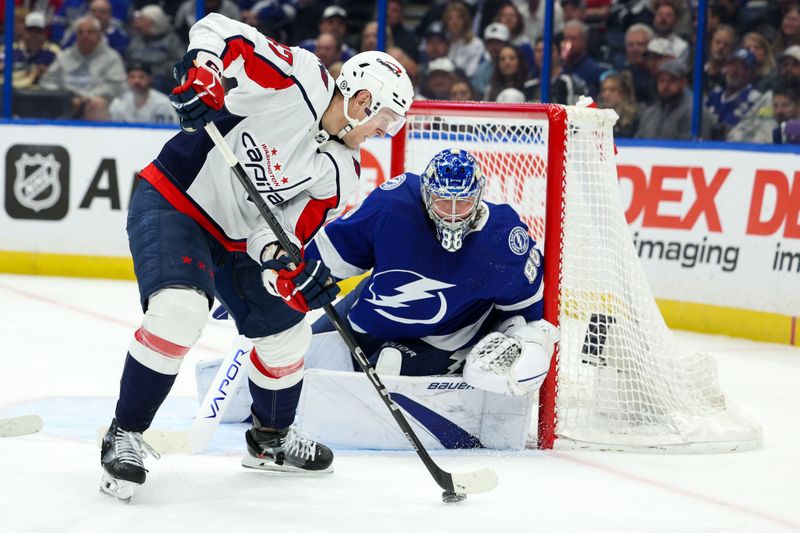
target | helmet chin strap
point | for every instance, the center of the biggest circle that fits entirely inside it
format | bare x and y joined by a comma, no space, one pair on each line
351,122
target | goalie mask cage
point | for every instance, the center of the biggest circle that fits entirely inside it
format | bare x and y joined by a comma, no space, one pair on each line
619,380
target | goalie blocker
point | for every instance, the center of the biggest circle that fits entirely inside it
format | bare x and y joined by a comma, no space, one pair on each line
490,406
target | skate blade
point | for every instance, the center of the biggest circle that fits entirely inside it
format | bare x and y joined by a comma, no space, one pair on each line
268,466
118,488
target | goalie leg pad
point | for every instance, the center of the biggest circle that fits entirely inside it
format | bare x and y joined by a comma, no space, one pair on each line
173,322
278,359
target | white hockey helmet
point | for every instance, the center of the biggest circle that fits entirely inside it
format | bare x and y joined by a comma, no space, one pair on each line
388,85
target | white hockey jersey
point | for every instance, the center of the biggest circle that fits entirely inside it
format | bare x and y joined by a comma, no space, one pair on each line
270,120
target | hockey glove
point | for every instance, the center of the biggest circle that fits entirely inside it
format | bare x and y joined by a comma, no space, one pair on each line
200,95
303,288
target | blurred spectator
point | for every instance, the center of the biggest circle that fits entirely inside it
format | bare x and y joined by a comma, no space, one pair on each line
729,104
434,43
574,10
369,37
186,15
335,69
637,37
510,95
90,69
664,21
68,12
140,102
670,117
596,44
403,37
328,49
576,58
617,93
466,49
789,65
723,43
532,12
790,29
495,36
438,79
155,44
462,91
32,54
333,21
509,71
509,15
658,51
411,66
684,24
269,16
786,108
766,74
565,88
116,36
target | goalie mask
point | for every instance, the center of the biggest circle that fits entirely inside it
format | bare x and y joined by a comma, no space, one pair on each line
452,186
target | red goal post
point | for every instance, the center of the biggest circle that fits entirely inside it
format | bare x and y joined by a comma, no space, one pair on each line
618,380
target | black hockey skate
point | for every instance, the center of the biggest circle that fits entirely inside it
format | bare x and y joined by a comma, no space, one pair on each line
285,451
121,457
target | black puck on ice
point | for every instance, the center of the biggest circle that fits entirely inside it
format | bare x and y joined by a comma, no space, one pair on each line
453,497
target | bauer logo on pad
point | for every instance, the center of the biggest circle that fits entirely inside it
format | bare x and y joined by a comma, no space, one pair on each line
37,182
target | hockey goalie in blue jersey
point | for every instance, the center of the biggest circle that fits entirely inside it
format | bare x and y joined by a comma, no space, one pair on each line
456,282
195,234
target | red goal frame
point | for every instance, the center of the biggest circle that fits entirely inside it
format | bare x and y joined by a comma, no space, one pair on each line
556,117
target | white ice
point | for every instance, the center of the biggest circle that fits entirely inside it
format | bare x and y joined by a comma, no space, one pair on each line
62,345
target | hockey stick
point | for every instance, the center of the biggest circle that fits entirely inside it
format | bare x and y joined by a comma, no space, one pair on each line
455,485
212,408
20,425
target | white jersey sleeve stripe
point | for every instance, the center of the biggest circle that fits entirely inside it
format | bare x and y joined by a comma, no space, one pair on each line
524,303
330,256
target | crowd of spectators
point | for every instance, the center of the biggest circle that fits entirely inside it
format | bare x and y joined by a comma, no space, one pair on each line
112,59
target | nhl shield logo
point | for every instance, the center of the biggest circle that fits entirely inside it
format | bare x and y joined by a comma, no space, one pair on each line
37,185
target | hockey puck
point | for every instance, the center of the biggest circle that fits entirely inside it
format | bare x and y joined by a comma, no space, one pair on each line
453,497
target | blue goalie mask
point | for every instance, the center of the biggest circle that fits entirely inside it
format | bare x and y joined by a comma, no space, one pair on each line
452,186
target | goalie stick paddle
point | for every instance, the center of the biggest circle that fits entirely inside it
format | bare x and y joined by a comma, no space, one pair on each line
20,425
475,482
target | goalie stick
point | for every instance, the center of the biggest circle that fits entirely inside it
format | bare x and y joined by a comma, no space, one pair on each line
20,425
456,486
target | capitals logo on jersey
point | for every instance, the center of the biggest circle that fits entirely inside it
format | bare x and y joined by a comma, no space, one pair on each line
407,297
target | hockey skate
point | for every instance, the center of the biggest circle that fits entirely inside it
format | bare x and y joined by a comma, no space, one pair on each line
285,451
121,456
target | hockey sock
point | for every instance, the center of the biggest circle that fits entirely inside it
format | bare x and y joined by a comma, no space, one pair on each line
141,392
275,408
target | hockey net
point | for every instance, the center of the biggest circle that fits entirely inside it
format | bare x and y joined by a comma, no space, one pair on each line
619,379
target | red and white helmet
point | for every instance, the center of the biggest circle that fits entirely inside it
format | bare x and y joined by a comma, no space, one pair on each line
387,82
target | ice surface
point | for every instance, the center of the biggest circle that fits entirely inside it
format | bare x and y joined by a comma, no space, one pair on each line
62,346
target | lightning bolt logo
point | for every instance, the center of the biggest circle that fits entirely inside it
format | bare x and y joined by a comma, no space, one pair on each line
421,288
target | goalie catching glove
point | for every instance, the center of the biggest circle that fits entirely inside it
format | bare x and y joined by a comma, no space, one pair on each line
200,95
305,287
513,360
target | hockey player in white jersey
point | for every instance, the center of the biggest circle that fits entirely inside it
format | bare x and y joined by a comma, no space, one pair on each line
195,234
453,278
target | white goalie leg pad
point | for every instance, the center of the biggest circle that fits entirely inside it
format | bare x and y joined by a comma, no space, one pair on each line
514,360
173,322
329,351
278,359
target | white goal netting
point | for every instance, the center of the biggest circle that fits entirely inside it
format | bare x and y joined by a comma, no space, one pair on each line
623,381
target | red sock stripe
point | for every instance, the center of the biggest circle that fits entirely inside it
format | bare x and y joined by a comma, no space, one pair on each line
157,344
274,372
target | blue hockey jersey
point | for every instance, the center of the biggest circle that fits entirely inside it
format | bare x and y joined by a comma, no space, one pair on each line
417,289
